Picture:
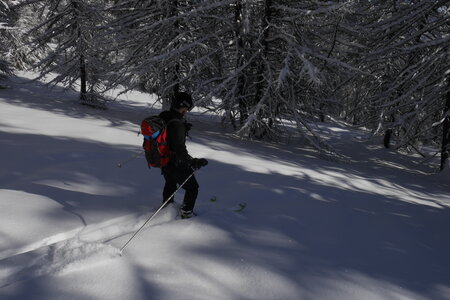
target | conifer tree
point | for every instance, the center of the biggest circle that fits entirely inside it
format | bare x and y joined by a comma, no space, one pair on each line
6,37
408,60
70,36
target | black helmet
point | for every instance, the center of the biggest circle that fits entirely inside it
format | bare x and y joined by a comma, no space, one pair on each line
182,99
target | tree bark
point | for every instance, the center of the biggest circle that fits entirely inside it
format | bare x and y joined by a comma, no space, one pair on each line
176,71
445,151
240,52
83,72
387,138
83,79
265,48
261,84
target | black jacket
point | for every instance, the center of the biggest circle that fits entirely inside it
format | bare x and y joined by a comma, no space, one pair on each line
176,137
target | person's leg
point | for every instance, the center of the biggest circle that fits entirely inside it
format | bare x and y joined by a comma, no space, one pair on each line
169,187
191,193
191,189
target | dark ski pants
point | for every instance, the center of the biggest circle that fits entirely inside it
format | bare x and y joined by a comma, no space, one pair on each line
175,177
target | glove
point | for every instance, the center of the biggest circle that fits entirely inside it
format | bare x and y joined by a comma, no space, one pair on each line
197,163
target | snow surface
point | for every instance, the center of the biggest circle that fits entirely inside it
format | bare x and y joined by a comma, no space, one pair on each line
374,227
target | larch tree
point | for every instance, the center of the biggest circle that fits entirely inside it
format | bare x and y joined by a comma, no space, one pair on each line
6,37
408,62
70,36
168,46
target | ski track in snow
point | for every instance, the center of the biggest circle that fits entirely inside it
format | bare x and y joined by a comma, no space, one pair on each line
74,249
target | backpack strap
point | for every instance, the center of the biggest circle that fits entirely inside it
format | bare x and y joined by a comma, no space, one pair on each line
165,127
157,133
153,136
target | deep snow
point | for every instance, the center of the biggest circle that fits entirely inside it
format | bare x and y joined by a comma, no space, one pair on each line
375,226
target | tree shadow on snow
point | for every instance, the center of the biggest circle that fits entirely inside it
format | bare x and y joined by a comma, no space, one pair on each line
78,183
346,226
37,95
82,177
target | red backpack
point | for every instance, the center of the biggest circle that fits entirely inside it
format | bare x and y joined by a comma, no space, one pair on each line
155,145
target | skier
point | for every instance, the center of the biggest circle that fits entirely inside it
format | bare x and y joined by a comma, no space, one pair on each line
181,164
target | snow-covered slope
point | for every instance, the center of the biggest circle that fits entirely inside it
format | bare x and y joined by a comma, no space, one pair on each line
374,227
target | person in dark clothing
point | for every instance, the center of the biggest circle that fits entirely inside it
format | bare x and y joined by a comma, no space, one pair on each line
181,164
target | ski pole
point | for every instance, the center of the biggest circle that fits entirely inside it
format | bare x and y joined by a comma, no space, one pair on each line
154,214
120,164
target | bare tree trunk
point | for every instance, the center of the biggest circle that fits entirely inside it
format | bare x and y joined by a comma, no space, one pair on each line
83,79
446,131
387,138
239,32
265,48
261,81
83,72
176,71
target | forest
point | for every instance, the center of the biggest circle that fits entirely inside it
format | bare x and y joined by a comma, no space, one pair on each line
267,67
